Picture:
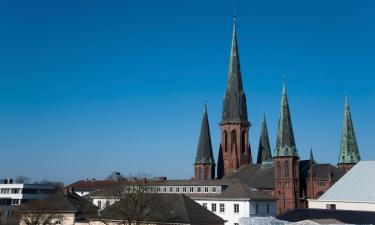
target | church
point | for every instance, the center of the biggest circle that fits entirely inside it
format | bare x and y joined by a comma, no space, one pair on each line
283,174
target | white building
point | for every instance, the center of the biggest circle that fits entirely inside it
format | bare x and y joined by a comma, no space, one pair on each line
229,199
354,191
15,194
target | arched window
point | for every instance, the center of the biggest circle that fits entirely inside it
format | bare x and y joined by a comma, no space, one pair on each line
200,173
206,173
234,140
225,141
278,169
286,169
243,142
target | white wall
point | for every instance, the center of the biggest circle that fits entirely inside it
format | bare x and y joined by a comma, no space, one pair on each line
361,206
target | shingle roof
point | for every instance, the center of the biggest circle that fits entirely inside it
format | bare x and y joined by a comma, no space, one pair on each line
170,208
344,216
94,185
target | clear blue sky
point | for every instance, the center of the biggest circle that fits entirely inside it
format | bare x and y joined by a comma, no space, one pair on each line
88,87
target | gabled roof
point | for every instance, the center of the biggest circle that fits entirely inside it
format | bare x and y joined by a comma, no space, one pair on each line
204,150
357,185
285,142
93,185
234,106
168,208
349,152
326,216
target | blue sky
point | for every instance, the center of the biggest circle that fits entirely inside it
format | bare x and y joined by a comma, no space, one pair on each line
88,87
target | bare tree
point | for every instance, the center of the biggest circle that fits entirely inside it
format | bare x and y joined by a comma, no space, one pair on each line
38,212
22,180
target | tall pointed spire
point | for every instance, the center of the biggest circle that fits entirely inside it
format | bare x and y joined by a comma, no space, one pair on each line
264,151
349,152
234,107
285,143
312,160
204,150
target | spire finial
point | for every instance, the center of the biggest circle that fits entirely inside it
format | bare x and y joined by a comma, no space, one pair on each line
234,8
284,85
205,106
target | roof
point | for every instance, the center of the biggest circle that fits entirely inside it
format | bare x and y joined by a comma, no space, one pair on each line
357,185
264,150
93,185
204,150
329,216
170,208
285,142
325,172
61,201
349,152
234,105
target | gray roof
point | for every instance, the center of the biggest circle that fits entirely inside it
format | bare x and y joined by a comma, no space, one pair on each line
285,143
234,106
168,208
357,185
264,150
204,150
324,171
349,152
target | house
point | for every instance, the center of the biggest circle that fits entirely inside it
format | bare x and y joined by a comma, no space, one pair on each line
354,191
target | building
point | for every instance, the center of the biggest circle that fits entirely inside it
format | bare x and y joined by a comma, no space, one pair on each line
85,187
284,175
229,199
13,194
354,191
62,208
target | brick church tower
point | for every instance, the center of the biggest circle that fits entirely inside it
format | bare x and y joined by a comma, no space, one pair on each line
349,152
234,147
286,161
204,166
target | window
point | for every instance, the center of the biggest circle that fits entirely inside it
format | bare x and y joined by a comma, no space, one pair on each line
58,222
170,189
320,184
214,189
15,202
205,189
222,207
205,205
191,189
213,207
243,142
331,206
198,189
158,189
225,141
236,208
286,169
268,208
164,189
184,189
278,169
234,141
256,209
107,203
15,190
99,204
5,191
177,189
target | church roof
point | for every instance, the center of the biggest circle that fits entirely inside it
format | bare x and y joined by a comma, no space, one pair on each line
234,106
285,142
264,150
204,150
349,152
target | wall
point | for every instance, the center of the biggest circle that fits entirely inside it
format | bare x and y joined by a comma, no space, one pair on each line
361,206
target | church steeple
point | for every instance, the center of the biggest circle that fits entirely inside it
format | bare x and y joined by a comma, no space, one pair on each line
264,150
285,143
234,147
204,161
349,152
234,107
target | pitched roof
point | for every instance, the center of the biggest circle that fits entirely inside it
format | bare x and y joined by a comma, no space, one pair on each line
349,152
325,171
322,215
285,142
234,105
94,184
357,185
204,150
168,208
264,150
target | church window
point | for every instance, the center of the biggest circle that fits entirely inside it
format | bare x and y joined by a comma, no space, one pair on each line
278,169
243,142
225,141
286,169
234,138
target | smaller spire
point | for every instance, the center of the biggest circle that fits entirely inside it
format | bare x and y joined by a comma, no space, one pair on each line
264,150
204,150
312,160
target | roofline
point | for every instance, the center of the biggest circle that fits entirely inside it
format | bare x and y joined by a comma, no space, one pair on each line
347,201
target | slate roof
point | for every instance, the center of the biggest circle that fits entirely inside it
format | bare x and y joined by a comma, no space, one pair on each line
357,185
324,171
170,208
234,105
349,152
62,201
93,185
285,142
321,215
204,150
264,150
